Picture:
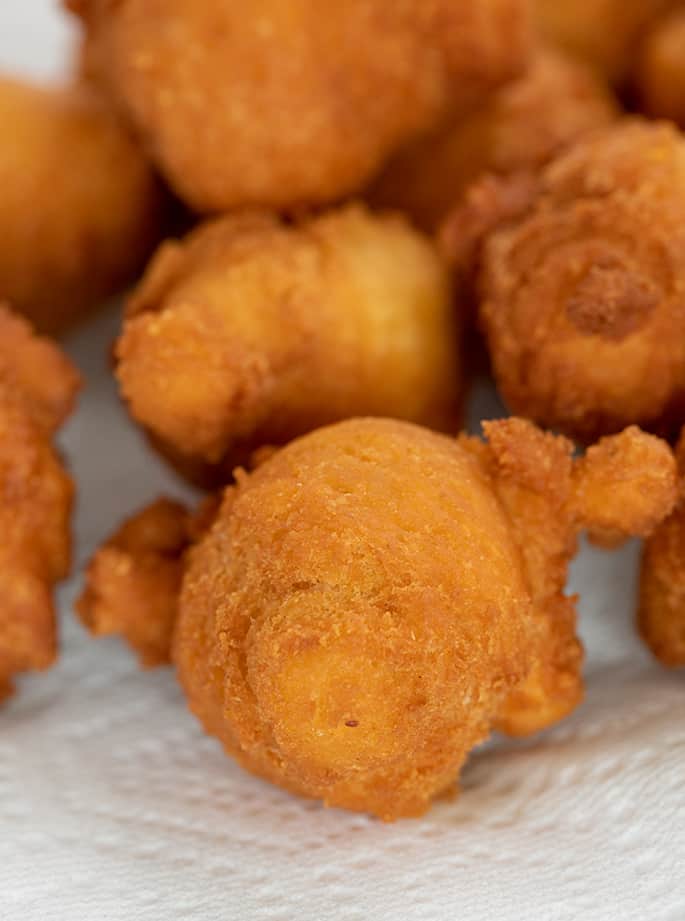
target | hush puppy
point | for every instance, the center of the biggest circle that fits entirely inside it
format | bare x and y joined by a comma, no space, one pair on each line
252,331
284,103
37,388
522,125
81,207
581,295
374,598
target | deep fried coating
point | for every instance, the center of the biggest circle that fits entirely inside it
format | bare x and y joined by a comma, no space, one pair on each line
522,125
81,207
606,33
582,297
134,580
660,71
37,387
661,615
253,331
283,103
375,597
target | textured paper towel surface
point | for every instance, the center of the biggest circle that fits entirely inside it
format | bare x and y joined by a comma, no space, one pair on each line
114,805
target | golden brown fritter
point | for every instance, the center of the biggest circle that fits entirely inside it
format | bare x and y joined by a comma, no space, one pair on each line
521,126
282,103
582,296
81,208
253,331
375,597
606,33
660,70
661,616
37,388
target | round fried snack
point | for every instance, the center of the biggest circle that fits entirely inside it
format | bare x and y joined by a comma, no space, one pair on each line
582,297
81,208
521,126
660,70
253,331
606,33
37,388
374,598
281,103
661,615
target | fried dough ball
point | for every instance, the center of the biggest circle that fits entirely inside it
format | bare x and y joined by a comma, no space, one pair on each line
660,71
374,598
661,616
606,33
81,207
582,296
283,103
37,388
253,331
522,125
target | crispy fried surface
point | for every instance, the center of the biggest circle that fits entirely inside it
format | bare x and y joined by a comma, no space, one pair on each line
288,102
660,70
253,331
521,126
582,299
661,614
320,637
606,33
133,581
374,598
37,386
81,208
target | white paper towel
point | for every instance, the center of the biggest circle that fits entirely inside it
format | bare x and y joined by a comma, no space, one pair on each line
115,805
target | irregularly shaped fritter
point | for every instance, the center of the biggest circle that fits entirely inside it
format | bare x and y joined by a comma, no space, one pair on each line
81,208
253,331
661,616
282,103
582,294
375,597
37,388
521,126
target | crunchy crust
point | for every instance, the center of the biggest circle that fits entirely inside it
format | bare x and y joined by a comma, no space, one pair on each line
253,331
37,387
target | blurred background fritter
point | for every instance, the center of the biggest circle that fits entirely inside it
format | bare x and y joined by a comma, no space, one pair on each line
81,206
520,126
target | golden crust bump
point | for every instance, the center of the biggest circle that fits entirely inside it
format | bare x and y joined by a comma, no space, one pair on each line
582,296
